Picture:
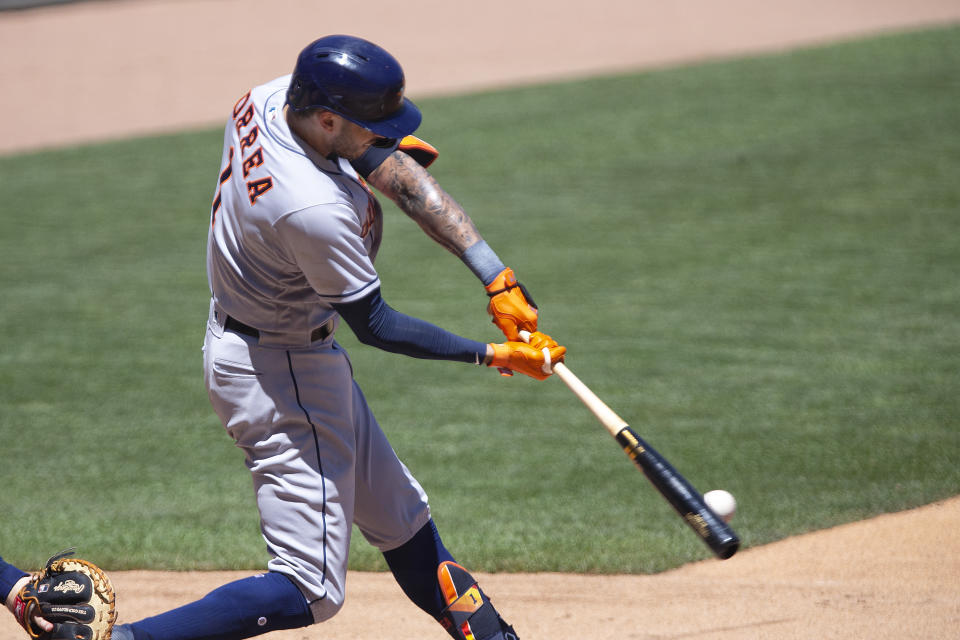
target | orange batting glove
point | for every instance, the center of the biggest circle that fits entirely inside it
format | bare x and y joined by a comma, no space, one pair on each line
511,306
535,359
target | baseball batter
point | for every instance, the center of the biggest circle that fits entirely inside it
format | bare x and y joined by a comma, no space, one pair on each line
294,231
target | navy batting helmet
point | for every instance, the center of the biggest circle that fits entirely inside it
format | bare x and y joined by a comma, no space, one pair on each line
356,79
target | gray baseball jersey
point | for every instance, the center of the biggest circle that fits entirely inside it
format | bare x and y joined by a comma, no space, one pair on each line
291,234
291,231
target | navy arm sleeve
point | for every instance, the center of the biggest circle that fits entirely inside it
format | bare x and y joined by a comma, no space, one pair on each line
374,156
376,324
9,575
421,151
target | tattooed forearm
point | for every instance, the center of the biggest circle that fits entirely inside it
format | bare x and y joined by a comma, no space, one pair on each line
418,195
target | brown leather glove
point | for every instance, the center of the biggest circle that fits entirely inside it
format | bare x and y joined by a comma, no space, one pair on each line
511,306
74,595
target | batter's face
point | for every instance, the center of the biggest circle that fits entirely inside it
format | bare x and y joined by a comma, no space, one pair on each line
349,140
331,134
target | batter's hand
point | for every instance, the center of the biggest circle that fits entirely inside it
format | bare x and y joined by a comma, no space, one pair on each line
535,359
511,306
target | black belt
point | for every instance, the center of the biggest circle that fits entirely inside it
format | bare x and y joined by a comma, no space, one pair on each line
320,333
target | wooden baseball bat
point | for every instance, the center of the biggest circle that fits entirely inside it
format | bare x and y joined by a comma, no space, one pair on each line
687,501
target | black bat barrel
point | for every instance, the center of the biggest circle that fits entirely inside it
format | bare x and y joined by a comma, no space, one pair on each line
687,501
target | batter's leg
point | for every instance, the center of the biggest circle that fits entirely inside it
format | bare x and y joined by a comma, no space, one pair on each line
393,515
427,573
285,409
237,610
414,565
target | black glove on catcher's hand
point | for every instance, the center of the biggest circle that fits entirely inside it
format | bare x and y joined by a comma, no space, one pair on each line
74,595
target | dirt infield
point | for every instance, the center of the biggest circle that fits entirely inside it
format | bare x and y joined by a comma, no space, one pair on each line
896,576
110,69
97,70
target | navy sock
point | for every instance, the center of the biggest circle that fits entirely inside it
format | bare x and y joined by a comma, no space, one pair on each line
237,610
414,565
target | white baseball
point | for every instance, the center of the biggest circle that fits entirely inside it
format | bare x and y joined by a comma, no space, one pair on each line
721,503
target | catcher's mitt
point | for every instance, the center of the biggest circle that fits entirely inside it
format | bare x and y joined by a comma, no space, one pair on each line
75,595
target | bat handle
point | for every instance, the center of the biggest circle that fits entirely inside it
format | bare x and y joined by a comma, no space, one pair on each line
607,417
547,366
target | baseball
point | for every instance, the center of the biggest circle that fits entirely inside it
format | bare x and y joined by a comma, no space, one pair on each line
721,503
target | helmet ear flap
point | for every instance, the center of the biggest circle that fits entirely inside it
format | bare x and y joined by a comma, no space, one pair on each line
303,94
295,97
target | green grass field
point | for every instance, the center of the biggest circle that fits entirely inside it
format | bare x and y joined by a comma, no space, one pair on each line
756,262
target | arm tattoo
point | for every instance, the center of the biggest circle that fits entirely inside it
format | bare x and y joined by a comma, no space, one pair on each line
418,195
